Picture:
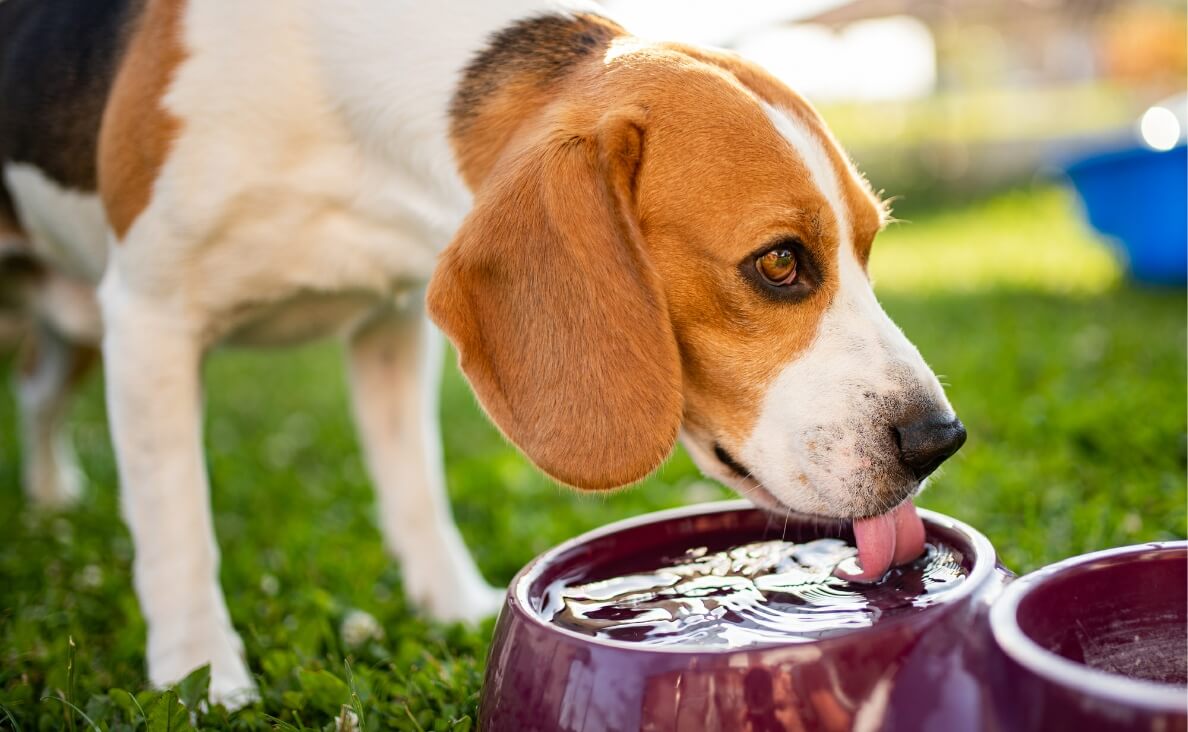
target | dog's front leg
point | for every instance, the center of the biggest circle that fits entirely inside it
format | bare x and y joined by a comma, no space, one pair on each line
152,356
395,368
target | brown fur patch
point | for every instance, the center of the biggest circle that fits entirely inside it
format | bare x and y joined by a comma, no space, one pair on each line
521,62
30,356
721,185
867,213
558,316
9,228
137,130
543,303
20,270
12,237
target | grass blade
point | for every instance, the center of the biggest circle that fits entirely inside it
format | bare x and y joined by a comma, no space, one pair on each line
80,712
356,702
413,719
70,680
11,719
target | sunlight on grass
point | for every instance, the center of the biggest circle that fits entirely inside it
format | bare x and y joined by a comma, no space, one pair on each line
1033,240
972,116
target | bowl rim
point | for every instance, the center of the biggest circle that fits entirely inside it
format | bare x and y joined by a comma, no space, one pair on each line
985,561
1056,669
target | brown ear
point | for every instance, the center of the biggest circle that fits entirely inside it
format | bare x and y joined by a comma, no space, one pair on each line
558,317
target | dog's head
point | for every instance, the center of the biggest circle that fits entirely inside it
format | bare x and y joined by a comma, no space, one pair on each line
675,245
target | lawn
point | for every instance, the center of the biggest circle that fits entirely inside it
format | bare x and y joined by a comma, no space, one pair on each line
1071,384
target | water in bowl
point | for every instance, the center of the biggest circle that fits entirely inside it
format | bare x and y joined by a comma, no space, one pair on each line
752,594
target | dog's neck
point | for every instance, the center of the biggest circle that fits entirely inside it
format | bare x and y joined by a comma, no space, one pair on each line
488,63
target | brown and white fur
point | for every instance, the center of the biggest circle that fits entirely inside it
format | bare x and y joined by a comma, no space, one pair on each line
585,208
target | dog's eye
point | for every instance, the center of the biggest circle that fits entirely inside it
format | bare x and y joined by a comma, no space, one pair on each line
778,266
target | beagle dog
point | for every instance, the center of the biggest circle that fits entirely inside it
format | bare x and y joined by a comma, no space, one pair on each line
629,242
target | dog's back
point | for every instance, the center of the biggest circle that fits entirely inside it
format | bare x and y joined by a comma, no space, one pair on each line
57,63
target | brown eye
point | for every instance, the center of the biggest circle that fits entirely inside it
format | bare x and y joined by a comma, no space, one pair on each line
777,266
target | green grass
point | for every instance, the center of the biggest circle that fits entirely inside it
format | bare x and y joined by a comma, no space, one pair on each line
1072,386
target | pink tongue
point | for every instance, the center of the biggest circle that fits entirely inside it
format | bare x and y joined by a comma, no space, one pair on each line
909,534
893,538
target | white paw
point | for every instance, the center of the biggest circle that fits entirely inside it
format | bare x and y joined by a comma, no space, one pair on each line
234,690
440,579
478,605
453,602
172,656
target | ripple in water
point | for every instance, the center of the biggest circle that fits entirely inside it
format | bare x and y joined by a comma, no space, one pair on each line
755,594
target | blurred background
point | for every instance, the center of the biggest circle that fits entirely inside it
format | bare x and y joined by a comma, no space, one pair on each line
944,100
1035,152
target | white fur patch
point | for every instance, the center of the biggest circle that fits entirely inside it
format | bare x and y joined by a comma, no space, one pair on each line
820,166
823,440
65,227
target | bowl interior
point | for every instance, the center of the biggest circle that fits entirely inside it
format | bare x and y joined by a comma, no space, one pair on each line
637,545
1125,614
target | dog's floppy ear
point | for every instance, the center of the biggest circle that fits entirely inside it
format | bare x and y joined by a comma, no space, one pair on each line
557,314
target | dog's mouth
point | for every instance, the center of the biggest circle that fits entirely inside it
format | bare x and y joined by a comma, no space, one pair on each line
754,490
730,462
889,539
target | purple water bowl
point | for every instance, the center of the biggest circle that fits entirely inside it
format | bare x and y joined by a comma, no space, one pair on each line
923,669
1095,642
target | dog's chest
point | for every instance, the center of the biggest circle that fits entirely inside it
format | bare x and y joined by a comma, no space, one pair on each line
309,249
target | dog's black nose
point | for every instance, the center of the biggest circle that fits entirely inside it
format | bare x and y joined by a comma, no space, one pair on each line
928,442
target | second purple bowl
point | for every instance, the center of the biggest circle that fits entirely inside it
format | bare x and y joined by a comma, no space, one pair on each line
1096,642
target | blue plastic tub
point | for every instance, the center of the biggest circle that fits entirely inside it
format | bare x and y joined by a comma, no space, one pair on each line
1139,198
